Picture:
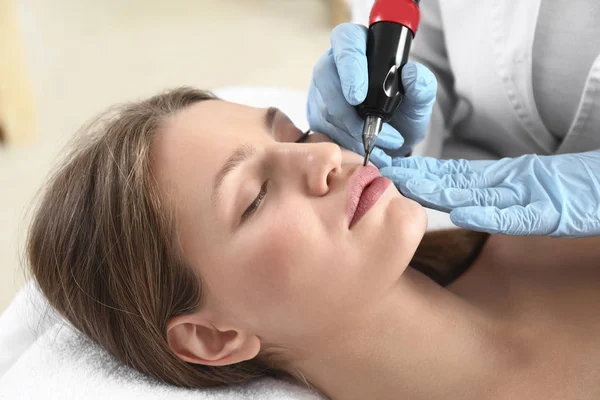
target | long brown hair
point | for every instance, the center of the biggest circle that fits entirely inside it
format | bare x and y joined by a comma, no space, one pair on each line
102,247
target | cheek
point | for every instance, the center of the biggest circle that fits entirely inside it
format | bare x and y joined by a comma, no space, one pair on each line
313,271
406,222
283,250
271,257
291,264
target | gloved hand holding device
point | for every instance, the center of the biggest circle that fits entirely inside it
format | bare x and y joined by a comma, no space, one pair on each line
340,82
530,195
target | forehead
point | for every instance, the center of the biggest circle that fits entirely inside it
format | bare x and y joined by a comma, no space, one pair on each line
200,137
194,143
214,124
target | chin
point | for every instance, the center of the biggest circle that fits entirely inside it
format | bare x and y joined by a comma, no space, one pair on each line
394,242
406,223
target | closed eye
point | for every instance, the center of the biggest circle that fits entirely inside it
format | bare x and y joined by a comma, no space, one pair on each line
256,203
264,188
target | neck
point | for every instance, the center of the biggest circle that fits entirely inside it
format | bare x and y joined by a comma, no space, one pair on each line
420,342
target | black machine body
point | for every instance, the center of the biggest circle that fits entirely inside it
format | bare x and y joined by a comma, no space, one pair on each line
388,48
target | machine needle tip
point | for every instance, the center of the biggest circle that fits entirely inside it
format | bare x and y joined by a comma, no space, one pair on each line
370,132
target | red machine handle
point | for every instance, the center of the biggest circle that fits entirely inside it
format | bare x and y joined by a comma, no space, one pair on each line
404,12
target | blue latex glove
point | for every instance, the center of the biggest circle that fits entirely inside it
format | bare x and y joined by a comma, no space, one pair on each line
530,195
340,82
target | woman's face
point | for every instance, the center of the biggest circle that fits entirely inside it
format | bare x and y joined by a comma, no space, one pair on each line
264,221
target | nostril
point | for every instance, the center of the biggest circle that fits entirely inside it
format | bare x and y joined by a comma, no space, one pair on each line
331,175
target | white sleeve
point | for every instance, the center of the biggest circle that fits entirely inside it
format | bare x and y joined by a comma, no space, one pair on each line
429,48
361,10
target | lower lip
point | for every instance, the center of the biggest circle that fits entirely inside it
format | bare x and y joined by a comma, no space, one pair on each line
369,197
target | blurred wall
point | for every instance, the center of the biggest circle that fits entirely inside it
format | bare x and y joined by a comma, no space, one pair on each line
83,56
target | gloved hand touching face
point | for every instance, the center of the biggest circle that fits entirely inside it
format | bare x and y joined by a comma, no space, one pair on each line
530,195
340,81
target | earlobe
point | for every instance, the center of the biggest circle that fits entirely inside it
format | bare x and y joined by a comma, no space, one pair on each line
194,339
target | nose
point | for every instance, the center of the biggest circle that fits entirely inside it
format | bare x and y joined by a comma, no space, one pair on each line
311,165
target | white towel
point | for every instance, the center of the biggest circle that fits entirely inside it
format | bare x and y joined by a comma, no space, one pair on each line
63,364
22,323
43,357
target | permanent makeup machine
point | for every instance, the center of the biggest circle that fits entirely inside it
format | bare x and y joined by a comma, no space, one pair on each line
392,27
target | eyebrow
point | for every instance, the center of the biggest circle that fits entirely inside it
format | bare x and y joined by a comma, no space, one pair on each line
270,117
240,155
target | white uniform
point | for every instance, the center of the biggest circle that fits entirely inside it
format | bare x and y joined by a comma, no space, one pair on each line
514,77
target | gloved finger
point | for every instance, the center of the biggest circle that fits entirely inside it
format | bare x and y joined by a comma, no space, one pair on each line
379,158
326,80
414,113
446,167
440,207
316,110
420,88
466,180
427,182
500,197
400,176
349,45
335,109
320,121
343,140
420,181
389,138
327,110
531,220
413,116
433,165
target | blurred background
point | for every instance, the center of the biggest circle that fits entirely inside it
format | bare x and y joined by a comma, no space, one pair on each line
64,61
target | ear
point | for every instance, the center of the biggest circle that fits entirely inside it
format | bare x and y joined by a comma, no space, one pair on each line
194,339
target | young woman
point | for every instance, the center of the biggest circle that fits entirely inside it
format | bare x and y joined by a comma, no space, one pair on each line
208,243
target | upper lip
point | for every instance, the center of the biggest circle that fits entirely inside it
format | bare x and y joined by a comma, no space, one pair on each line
360,179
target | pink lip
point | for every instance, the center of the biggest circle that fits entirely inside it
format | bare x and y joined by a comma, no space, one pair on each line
365,188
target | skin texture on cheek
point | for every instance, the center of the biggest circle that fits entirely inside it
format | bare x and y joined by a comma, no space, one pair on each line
255,272
278,248
284,281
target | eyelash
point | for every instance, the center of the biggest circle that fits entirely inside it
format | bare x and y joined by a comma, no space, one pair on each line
303,138
257,201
